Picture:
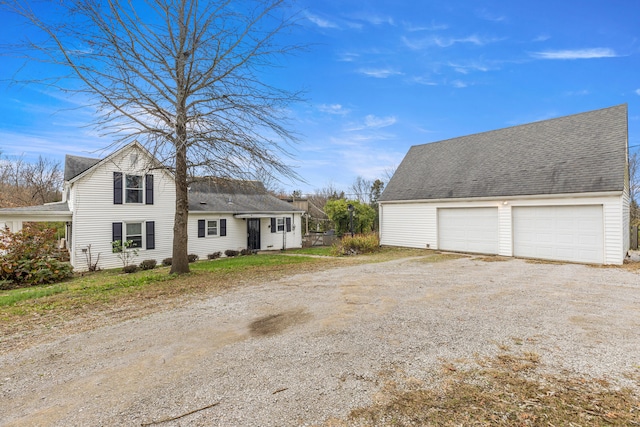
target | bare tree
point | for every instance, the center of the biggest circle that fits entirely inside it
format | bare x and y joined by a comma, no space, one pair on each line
361,189
28,184
183,77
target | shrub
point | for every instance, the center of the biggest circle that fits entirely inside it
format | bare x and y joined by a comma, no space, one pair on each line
192,257
358,244
167,262
246,252
231,253
131,268
148,264
29,257
214,255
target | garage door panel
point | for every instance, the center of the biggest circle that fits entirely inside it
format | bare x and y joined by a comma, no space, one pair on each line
468,230
566,233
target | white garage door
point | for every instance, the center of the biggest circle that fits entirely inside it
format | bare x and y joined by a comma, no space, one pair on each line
468,230
565,233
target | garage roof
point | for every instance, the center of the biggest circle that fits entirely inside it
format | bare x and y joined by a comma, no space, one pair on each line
581,153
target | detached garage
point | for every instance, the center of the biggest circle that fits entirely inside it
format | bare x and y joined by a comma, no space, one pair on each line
556,189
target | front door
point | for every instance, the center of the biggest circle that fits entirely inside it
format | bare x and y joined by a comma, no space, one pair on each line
253,231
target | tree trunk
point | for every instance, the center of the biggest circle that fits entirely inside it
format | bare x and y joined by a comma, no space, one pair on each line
180,262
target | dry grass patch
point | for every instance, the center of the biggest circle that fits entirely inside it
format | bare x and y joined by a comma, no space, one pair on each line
435,256
493,258
505,390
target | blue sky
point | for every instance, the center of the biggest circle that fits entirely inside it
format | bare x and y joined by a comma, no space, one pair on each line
381,76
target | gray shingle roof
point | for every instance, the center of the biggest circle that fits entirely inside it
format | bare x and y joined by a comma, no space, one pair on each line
235,196
75,165
61,207
573,154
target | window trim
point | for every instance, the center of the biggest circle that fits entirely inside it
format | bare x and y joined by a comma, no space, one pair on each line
280,225
215,228
125,233
140,190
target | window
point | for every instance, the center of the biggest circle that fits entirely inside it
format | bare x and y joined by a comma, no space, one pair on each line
280,224
134,233
133,189
212,228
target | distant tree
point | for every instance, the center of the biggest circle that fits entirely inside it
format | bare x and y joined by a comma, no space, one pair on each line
183,77
338,212
361,189
375,192
28,184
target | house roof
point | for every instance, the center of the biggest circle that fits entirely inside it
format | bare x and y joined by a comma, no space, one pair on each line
75,165
235,196
581,153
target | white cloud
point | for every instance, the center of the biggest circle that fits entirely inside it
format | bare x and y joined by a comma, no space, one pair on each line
379,73
417,44
488,16
333,109
412,28
321,22
348,56
458,84
374,19
542,38
598,52
637,91
372,121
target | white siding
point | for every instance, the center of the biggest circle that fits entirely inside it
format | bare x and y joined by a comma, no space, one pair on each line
280,240
414,224
408,224
237,234
94,213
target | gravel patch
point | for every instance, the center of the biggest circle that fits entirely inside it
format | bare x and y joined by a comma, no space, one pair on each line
310,347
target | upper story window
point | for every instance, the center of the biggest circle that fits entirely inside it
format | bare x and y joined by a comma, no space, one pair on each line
134,189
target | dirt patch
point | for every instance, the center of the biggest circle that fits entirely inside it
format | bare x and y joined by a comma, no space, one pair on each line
495,258
276,323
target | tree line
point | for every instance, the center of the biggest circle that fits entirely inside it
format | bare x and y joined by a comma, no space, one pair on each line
24,183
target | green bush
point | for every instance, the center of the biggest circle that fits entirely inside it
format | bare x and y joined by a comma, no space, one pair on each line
167,261
214,255
231,253
246,252
148,264
358,244
29,257
131,268
192,257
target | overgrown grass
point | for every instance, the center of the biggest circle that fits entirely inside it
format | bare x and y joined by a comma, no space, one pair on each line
241,263
9,298
503,391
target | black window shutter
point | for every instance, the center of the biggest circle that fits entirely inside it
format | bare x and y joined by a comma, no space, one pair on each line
116,231
201,226
288,221
223,227
273,225
148,189
151,234
117,188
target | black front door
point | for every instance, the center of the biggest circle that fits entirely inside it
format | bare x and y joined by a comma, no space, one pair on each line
253,231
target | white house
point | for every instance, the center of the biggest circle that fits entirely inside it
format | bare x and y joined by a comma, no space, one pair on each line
128,195
556,189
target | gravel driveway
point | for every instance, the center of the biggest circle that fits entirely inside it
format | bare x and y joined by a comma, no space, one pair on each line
311,347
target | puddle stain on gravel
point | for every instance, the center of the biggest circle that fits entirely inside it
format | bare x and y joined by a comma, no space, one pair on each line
276,323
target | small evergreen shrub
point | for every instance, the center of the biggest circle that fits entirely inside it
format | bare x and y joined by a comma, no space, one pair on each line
192,257
131,268
358,244
167,262
214,255
231,253
246,252
148,264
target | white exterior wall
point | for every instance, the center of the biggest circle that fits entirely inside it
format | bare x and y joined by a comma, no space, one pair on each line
235,239
237,234
94,212
281,240
414,224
